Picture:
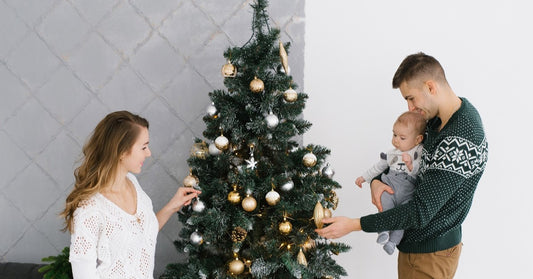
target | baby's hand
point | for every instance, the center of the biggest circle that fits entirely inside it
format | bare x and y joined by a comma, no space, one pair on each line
407,160
359,181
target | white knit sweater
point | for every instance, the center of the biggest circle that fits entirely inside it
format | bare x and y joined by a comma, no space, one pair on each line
108,242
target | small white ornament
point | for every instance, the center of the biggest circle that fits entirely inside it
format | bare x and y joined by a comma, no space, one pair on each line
221,142
198,206
197,238
272,120
287,186
272,197
328,171
309,160
213,150
211,110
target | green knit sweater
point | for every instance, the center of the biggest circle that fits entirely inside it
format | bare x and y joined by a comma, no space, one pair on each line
453,161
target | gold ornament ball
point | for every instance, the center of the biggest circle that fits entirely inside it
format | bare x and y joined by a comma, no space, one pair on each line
257,85
327,213
285,227
290,95
190,181
318,215
309,160
221,142
249,203
272,197
229,70
236,267
234,197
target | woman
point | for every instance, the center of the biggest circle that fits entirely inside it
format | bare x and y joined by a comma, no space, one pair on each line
111,219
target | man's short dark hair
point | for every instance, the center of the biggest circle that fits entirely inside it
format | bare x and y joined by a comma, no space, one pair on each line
418,65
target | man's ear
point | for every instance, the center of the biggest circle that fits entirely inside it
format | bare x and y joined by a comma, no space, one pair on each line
432,86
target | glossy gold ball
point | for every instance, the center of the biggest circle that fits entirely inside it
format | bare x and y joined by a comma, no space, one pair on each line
327,213
234,197
249,204
190,181
257,85
236,267
290,95
285,227
309,160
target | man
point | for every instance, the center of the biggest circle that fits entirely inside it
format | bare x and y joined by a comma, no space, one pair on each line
453,160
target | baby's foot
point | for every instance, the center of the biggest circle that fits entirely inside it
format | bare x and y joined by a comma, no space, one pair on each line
383,237
389,247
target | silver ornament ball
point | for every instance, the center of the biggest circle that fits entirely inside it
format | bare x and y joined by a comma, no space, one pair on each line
197,238
272,121
287,186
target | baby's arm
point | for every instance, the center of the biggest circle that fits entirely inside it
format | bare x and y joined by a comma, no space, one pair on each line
359,181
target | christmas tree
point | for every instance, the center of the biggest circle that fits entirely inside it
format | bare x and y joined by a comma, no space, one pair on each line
263,194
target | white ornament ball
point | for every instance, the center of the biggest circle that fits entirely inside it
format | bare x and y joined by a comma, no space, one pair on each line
272,120
221,142
328,171
272,197
287,186
198,206
197,238
213,150
211,110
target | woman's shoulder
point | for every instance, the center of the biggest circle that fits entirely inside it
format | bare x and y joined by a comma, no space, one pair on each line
91,205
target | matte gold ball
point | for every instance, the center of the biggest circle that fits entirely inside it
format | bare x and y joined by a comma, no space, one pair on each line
234,197
249,203
285,227
236,267
309,160
257,85
327,213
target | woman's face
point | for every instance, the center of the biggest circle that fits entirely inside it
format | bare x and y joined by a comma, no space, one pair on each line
133,160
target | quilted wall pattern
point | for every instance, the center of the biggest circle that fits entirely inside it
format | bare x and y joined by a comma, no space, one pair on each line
65,64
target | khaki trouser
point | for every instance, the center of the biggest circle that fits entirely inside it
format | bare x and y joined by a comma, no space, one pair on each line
436,265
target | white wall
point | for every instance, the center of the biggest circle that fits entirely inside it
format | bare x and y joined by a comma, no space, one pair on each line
352,51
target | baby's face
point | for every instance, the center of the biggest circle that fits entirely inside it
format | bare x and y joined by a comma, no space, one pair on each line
403,137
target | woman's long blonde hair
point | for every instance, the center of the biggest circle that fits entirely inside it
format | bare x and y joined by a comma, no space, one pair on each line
112,137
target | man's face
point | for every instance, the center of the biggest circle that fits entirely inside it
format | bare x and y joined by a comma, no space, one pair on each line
419,98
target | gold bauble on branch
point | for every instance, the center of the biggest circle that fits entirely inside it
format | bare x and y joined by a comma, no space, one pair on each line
309,244
249,203
318,215
199,150
257,85
284,58
290,95
229,70
190,180
327,213
236,267
234,197
301,258
309,160
285,227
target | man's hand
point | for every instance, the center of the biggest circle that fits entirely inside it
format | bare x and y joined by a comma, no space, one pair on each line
377,188
339,226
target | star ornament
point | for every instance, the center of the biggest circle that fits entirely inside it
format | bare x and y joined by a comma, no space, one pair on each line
252,163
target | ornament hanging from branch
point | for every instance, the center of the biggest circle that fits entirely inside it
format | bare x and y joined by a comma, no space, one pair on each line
290,95
284,58
257,85
229,70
